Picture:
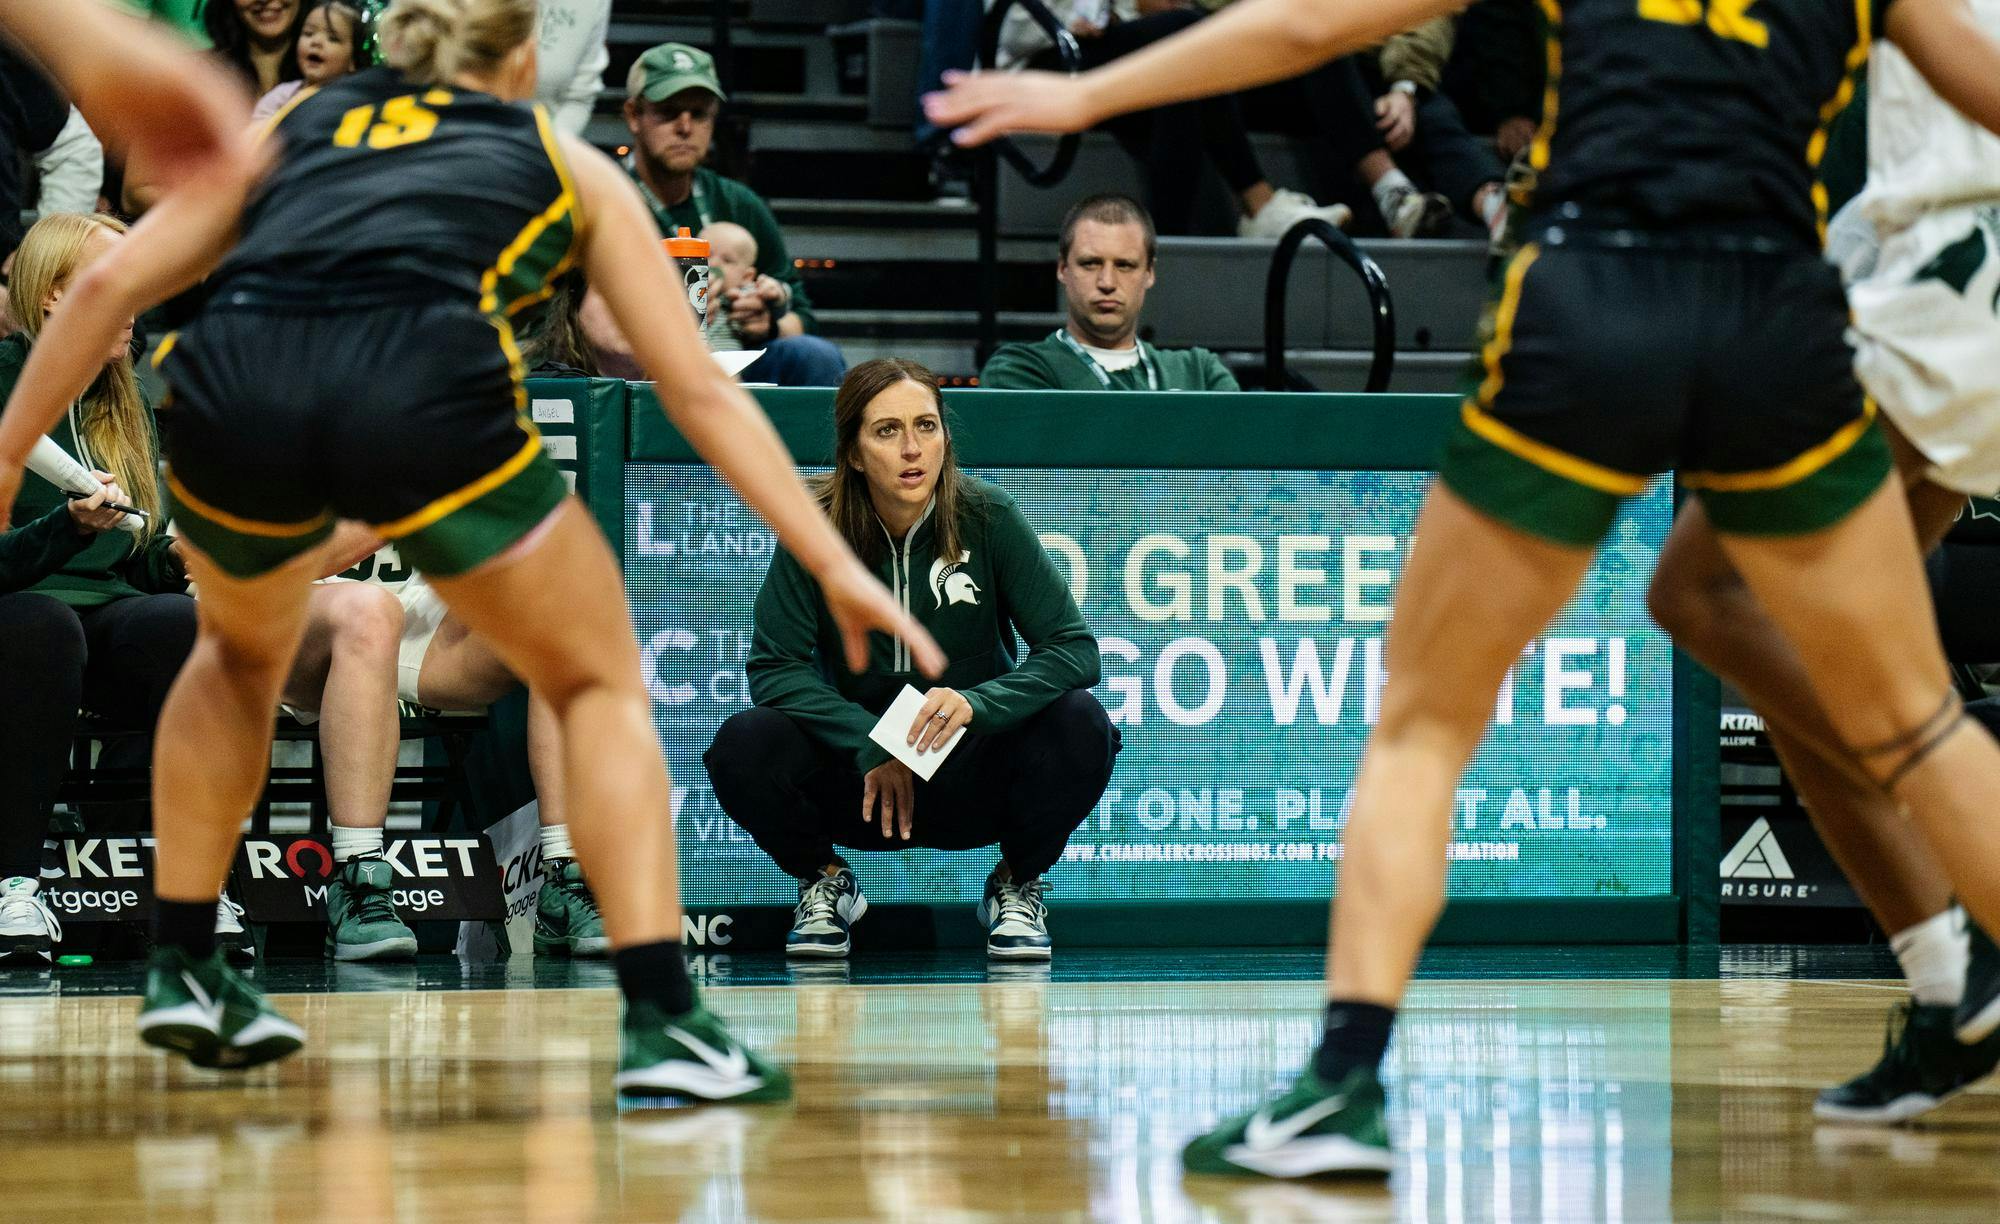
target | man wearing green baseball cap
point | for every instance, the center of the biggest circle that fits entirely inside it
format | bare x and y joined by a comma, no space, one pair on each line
671,99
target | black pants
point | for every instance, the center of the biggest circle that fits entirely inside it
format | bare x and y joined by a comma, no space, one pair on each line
1332,103
1027,788
1443,156
1171,142
117,661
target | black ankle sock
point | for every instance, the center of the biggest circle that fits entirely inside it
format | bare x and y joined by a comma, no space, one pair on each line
186,925
655,973
1357,1035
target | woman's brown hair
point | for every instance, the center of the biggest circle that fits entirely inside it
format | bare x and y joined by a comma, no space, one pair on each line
844,490
115,429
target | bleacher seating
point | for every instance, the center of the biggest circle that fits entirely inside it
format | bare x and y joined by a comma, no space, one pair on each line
888,266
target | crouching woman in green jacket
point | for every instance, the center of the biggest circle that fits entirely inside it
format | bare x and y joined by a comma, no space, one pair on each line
798,771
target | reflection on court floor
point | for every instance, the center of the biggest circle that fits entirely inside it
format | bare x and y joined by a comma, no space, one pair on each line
1018,1097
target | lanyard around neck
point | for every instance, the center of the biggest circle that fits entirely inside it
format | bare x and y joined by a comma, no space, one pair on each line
695,193
1104,379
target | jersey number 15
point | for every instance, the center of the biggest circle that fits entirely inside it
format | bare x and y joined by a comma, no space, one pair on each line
402,122
1728,18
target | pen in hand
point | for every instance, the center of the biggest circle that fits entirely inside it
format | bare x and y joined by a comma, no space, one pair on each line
134,511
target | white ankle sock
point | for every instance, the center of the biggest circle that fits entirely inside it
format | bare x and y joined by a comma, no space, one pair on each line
1388,186
555,842
353,843
1933,954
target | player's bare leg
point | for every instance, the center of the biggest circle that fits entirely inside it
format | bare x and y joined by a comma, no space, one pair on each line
1473,593
1699,598
210,758
1852,600
553,609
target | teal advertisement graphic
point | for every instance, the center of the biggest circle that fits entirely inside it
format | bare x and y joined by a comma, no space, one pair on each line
1241,617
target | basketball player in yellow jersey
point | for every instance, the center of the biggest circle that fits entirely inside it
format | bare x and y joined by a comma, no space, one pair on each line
356,360
1670,310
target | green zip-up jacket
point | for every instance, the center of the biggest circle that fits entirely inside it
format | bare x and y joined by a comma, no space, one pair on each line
111,565
1003,583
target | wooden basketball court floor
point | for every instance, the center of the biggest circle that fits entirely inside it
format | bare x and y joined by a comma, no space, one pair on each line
1020,1094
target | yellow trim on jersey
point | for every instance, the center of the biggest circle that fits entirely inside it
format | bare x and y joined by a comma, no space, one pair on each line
453,502
1538,149
166,346
1503,324
1857,55
244,526
564,205
517,366
1548,458
1792,471
1492,429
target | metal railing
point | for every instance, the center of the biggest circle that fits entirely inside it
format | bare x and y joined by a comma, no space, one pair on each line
986,163
1380,307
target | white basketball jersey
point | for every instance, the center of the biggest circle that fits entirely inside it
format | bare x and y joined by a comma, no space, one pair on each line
1923,154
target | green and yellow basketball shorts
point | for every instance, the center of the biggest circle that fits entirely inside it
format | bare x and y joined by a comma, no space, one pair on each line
1602,366
411,418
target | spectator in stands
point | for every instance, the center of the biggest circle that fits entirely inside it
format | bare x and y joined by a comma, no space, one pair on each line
732,271
118,608
258,38
1498,71
329,47
70,172
1415,119
37,643
554,342
672,97
185,16
1105,264
795,768
32,115
1171,143
570,60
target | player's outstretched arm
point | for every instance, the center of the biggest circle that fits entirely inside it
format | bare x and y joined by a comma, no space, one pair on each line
1947,44
623,259
170,249
1252,42
142,90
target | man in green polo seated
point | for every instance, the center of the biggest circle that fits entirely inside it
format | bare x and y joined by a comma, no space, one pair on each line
1104,262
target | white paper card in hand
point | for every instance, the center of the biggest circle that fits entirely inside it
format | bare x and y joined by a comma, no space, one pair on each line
893,733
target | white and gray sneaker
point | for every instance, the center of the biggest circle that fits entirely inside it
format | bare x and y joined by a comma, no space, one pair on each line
828,909
1410,213
29,929
1016,918
1287,208
230,937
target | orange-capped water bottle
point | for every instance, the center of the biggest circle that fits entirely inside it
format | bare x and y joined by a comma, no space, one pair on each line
692,255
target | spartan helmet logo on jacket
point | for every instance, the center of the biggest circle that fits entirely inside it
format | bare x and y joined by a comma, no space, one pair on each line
951,584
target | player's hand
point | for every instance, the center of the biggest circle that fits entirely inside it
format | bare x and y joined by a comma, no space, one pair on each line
1513,135
858,603
893,788
90,513
1396,119
982,106
945,711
